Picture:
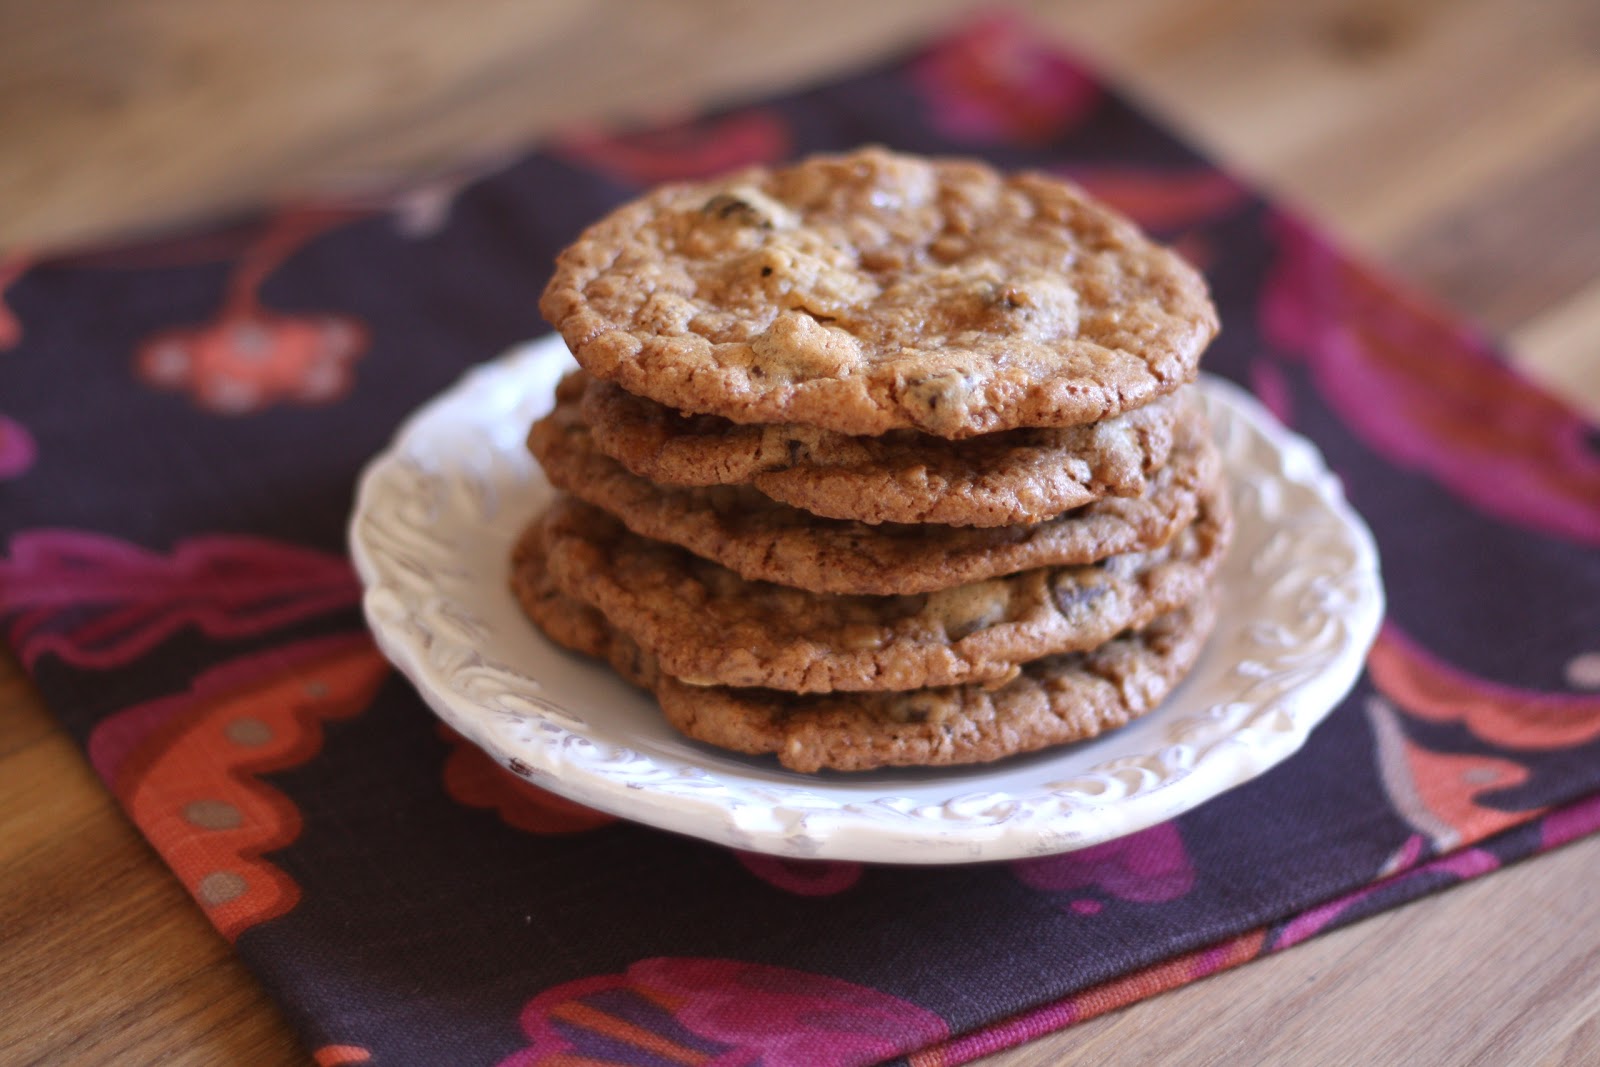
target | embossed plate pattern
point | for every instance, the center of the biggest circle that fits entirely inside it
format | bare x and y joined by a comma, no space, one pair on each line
435,518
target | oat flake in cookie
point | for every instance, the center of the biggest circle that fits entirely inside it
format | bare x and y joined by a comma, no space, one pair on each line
873,291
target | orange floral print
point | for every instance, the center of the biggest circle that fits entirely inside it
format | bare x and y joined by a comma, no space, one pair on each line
186,768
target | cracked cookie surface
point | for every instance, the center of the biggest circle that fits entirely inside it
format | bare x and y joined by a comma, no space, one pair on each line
873,291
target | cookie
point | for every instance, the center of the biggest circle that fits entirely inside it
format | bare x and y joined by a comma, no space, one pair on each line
707,626
766,541
1051,701
904,476
872,291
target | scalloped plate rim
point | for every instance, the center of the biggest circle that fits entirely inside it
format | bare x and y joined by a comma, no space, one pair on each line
845,828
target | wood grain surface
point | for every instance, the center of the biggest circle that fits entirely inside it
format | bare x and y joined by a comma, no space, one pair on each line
1457,141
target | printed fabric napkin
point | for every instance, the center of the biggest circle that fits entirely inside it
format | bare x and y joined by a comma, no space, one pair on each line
181,423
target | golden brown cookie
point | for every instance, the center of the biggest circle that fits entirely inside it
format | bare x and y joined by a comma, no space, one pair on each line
872,291
766,541
904,476
707,626
1052,701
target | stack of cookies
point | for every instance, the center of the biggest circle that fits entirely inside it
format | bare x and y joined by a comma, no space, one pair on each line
876,460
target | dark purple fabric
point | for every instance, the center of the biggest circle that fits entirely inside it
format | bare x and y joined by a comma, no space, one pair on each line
180,427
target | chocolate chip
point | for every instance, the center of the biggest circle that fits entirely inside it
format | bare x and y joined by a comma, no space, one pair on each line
1071,596
732,209
722,205
930,393
920,707
766,272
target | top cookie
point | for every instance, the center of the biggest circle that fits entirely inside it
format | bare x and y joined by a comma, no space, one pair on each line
873,291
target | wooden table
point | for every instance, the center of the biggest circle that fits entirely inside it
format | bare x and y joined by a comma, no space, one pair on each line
1457,142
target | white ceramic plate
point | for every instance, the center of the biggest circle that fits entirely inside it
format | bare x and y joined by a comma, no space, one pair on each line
433,526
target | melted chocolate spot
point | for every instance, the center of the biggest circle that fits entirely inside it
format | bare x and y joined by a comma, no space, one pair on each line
1070,596
732,209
